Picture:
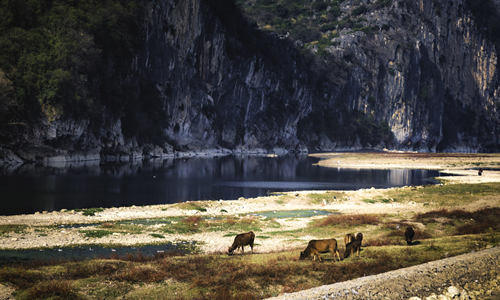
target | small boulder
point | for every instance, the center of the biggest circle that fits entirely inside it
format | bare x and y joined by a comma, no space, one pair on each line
452,292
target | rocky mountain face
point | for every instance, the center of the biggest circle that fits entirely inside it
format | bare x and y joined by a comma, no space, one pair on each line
426,67
423,77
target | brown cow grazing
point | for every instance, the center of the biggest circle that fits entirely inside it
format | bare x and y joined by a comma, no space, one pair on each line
354,246
242,240
409,234
348,238
315,247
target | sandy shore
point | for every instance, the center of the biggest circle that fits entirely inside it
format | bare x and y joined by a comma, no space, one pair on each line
214,242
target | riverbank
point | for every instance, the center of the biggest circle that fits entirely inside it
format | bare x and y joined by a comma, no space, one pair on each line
57,229
455,217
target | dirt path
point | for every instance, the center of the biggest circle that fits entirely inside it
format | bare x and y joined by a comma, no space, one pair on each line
478,273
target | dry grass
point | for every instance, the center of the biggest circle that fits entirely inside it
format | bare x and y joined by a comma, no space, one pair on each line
85,269
193,220
383,241
20,277
140,273
221,277
52,289
480,221
349,220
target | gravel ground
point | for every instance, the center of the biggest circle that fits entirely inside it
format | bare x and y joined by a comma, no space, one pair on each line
478,273
6,292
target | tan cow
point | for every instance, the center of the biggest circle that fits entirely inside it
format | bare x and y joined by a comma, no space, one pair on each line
315,247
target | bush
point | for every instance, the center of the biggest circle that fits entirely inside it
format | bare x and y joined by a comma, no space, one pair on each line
349,220
92,211
95,233
53,289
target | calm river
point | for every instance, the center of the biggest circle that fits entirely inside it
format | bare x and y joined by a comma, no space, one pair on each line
29,189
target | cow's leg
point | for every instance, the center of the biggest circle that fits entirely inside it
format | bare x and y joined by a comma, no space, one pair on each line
316,255
242,249
338,254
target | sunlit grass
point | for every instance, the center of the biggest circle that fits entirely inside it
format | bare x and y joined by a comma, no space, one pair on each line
446,195
222,276
326,198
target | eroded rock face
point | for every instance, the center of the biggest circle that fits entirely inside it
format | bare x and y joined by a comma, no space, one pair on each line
429,72
428,69
217,78
426,73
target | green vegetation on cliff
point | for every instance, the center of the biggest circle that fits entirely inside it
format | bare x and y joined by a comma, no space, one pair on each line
316,23
52,52
72,59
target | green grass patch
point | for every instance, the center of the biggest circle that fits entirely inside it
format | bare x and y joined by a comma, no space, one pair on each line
282,200
12,228
447,194
157,235
303,213
327,197
96,233
263,237
196,224
124,227
90,211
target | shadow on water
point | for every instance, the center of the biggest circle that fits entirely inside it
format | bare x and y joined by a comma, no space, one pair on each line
63,254
31,188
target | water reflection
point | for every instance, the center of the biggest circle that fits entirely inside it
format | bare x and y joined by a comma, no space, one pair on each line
30,188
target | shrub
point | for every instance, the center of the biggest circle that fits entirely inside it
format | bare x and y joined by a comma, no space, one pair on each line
19,277
92,211
157,235
95,233
349,220
53,289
